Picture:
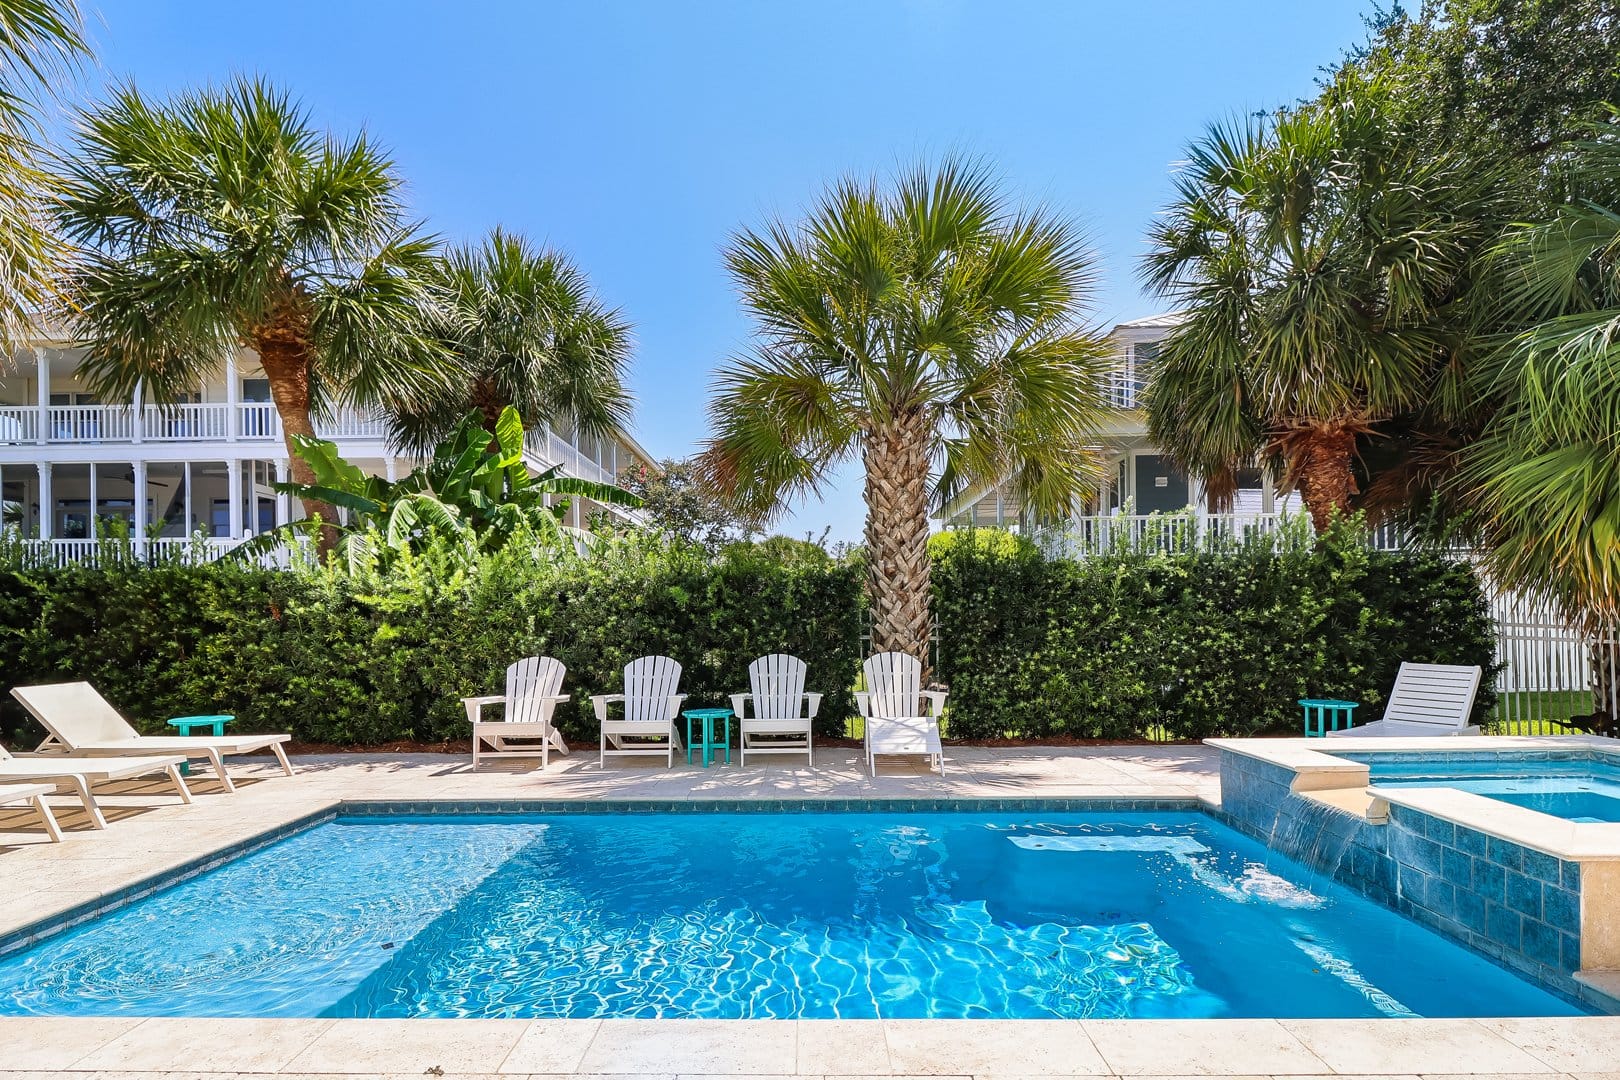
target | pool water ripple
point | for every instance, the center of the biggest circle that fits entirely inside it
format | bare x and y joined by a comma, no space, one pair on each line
851,915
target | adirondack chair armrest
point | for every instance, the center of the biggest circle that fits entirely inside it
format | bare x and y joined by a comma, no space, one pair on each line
675,705
863,700
475,705
936,701
600,702
738,701
815,703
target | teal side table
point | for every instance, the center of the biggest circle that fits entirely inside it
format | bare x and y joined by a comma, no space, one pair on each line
1323,715
185,725
708,744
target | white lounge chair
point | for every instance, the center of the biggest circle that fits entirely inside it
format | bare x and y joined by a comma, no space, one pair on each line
81,772
783,712
525,730
33,795
890,706
1427,700
651,705
85,724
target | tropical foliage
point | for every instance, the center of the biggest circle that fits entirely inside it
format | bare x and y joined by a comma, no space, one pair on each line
520,327
41,41
930,328
1543,479
475,494
222,219
678,500
1320,255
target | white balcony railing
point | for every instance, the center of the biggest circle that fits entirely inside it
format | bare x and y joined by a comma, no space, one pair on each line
186,423
89,423
189,422
19,424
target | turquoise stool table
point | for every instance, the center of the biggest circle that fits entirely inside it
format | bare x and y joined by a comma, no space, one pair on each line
1323,715
186,724
708,744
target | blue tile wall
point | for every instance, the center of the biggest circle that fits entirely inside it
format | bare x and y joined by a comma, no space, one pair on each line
1516,905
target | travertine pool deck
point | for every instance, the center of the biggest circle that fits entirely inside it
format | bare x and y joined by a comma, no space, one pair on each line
151,834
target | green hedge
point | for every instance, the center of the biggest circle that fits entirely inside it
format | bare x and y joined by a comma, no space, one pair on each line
385,655
1118,646
1216,643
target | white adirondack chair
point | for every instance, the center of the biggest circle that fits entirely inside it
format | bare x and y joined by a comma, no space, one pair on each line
1426,700
890,707
525,730
783,712
651,705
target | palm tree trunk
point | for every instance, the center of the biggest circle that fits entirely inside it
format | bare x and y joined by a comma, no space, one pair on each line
1323,470
286,362
896,458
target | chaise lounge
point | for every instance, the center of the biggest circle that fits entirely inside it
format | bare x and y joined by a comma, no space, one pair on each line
85,724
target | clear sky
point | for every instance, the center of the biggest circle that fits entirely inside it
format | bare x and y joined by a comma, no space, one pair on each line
638,134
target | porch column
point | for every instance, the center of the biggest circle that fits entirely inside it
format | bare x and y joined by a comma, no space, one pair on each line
42,365
140,500
93,526
185,479
233,472
47,508
233,394
137,422
390,468
283,471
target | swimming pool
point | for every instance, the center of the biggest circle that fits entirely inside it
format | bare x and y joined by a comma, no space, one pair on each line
761,915
1582,787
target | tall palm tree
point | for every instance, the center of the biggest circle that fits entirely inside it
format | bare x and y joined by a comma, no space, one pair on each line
1319,256
224,218
925,325
41,41
1543,480
523,328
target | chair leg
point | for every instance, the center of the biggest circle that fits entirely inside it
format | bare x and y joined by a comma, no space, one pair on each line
179,783
281,756
601,758
82,787
216,761
47,819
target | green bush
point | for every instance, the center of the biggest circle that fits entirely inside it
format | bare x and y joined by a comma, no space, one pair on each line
1215,643
386,654
1131,643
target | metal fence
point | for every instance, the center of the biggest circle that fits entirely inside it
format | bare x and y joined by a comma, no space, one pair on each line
1550,671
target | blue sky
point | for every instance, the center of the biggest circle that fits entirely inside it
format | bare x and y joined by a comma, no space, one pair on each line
639,135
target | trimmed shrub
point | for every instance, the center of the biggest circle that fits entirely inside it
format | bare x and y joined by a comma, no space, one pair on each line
386,654
1213,643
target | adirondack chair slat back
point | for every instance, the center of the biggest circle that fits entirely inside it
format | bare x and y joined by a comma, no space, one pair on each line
777,681
1437,694
894,679
75,712
649,683
528,683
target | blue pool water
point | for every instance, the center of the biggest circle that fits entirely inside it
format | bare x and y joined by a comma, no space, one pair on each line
761,915
1583,787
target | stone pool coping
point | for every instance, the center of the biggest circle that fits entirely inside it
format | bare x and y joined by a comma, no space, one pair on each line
1330,777
1579,1047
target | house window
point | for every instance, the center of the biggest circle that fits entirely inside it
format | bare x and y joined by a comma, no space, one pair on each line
256,390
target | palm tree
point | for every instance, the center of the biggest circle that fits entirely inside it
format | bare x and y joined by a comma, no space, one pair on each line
927,325
40,42
224,218
523,329
1319,256
1543,479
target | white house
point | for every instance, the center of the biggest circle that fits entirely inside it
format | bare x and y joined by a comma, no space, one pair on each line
205,464
1138,477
